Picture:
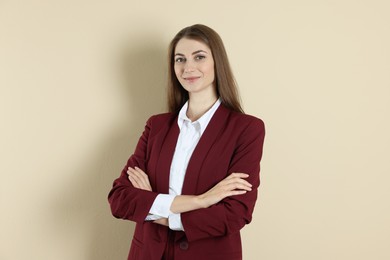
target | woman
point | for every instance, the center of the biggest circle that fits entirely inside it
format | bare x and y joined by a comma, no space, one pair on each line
191,184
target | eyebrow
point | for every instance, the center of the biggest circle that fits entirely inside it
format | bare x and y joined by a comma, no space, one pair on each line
195,52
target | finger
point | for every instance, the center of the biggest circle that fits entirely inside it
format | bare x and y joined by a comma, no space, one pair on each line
129,169
133,181
139,173
131,172
136,174
135,168
236,180
139,170
233,186
237,192
240,180
240,174
135,177
142,177
237,186
138,183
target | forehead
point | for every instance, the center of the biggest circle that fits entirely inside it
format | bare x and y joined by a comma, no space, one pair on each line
188,46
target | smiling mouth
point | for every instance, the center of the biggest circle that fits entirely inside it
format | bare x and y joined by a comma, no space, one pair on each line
191,79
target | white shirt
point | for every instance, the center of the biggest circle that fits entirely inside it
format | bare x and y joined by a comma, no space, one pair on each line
190,133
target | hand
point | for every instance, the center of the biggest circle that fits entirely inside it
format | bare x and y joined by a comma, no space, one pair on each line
162,221
139,179
232,185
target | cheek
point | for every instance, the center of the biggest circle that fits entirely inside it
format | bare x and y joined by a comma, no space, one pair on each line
177,71
210,71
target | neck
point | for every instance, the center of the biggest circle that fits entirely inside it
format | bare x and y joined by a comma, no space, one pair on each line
198,106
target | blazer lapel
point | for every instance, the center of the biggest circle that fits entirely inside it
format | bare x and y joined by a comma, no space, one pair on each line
215,126
163,165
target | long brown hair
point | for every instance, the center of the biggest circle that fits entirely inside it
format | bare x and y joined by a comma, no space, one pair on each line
225,82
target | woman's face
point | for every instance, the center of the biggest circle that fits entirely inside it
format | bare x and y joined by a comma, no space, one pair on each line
194,66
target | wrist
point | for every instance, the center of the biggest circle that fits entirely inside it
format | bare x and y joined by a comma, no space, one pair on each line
200,201
185,203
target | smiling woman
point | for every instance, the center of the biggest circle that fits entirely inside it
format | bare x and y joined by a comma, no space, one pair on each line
224,83
191,184
194,68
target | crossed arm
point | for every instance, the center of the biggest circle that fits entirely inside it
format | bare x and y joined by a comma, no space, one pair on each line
232,185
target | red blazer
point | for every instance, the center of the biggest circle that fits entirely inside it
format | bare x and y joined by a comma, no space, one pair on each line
232,142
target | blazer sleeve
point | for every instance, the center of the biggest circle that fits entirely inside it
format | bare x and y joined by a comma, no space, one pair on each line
232,213
126,201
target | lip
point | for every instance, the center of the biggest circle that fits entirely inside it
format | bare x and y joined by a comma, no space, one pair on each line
191,79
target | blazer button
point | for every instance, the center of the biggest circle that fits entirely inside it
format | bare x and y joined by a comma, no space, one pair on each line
183,245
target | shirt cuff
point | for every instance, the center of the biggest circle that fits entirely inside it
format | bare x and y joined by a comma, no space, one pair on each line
151,217
161,206
174,221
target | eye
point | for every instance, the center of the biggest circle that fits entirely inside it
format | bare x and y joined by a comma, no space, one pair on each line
200,57
179,60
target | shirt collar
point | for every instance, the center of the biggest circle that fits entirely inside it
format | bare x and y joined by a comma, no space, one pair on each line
203,121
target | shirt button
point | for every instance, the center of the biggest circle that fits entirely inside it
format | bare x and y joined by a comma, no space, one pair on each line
183,245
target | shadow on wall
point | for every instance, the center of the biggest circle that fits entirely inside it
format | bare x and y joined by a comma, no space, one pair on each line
143,69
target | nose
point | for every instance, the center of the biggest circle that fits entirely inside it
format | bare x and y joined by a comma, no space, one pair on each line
189,67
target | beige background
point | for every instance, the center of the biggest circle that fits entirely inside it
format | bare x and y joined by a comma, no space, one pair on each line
79,78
